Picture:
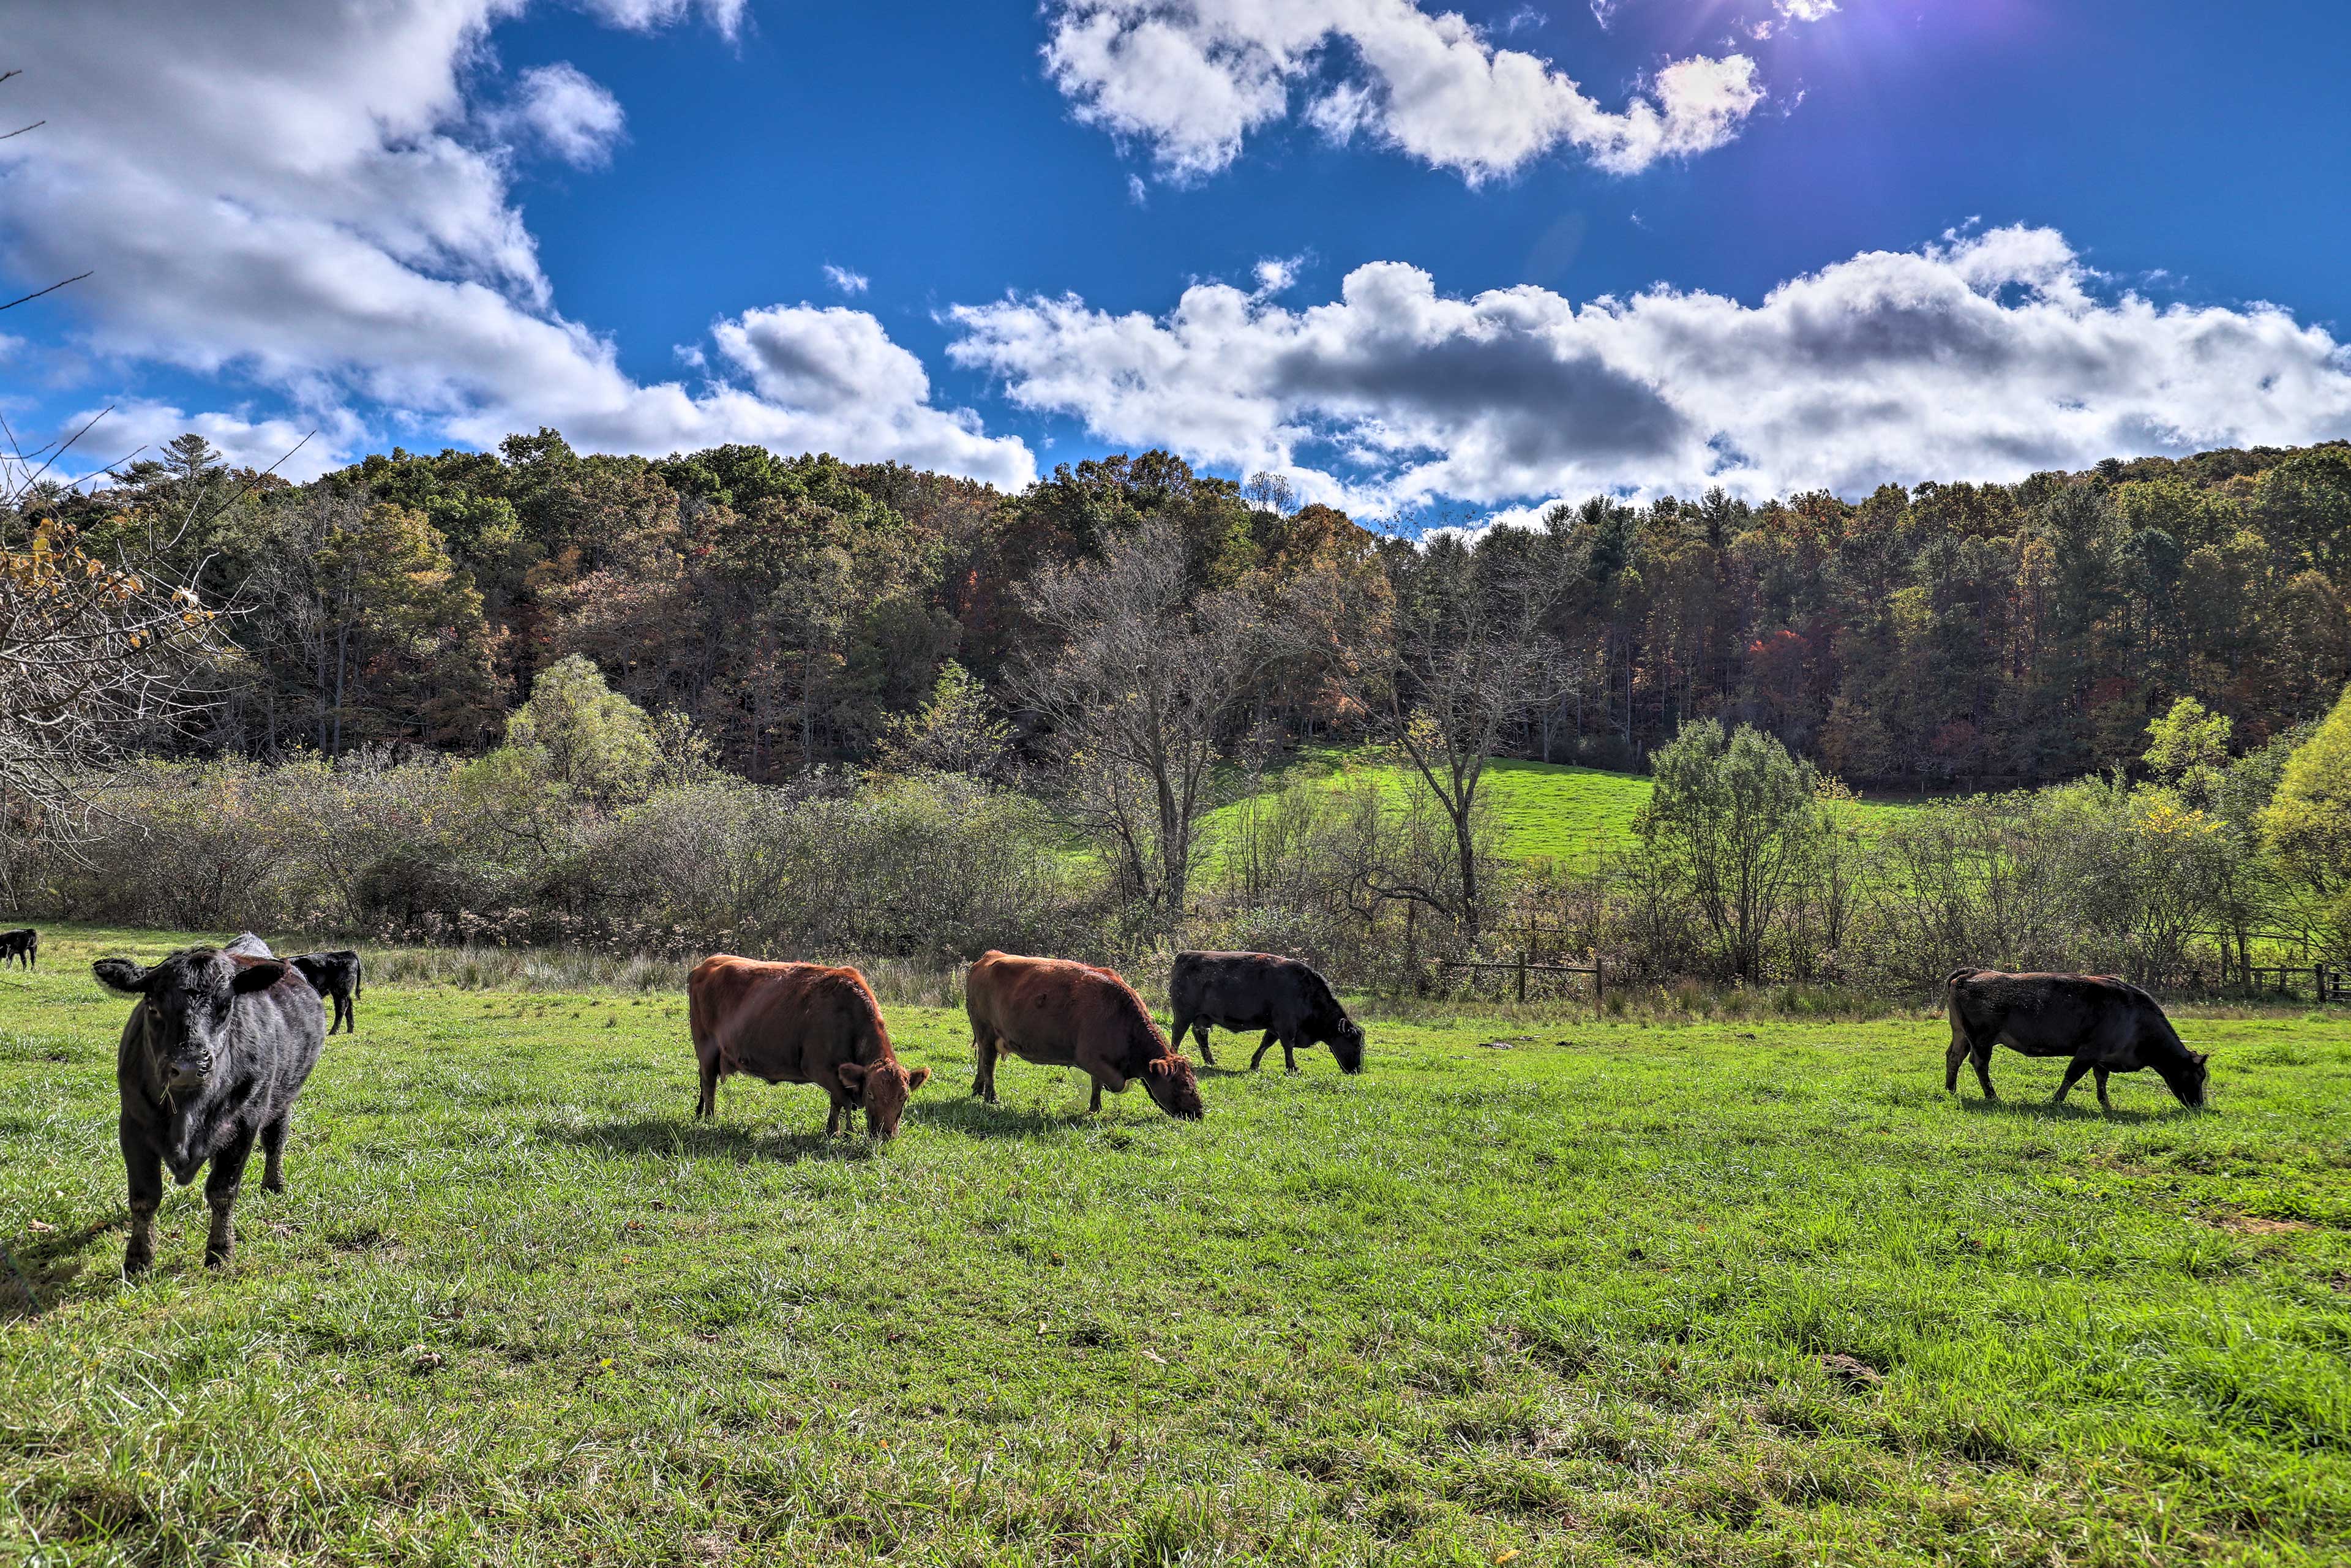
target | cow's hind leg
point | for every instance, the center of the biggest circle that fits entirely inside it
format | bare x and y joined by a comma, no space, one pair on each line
220,1192
1262,1047
2074,1070
1289,1054
1199,1028
1095,1108
273,1156
1961,1048
143,1167
2103,1104
1982,1057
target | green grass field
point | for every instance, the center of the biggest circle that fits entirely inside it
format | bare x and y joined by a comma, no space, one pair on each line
1531,1292
1542,810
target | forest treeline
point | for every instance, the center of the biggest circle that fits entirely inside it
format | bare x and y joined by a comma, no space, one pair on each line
790,612
792,705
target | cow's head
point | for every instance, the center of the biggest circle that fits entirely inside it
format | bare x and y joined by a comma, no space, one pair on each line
182,1025
1169,1081
883,1090
2188,1080
1347,1045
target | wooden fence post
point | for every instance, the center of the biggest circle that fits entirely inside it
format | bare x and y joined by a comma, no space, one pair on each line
1522,974
1596,983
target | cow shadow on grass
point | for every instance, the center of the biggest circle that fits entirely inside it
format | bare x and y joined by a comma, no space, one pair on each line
2043,1111
40,1269
680,1137
977,1119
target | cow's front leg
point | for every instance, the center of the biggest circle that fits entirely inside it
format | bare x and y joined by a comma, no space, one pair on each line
1095,1108
2074,1070
273,1156
219,1191
143,1167
1104,1077
1288,1055
2103,1104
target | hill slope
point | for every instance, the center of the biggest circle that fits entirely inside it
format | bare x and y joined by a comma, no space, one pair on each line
1542,810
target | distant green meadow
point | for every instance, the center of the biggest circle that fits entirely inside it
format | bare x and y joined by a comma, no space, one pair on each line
1542,810
1532,1289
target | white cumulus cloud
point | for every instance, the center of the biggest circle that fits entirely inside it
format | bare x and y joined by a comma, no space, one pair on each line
1191,80
572,117
1987,355
314,199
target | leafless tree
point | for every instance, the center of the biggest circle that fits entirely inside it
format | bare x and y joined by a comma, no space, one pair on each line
1467,660
1140,694
100,648
92,654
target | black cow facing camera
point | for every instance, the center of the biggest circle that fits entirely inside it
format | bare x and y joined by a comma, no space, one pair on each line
211,1059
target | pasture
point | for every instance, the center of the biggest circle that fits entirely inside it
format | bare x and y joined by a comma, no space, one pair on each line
1541,810
1533,1290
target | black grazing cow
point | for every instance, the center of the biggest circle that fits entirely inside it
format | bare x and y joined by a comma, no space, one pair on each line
24,945
334,974
2105,1024
1259,990
211,1059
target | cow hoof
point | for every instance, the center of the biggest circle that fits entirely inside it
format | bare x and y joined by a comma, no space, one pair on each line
219,1259
137,1263
273,1183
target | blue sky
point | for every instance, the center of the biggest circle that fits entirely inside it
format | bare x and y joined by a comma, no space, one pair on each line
2016,232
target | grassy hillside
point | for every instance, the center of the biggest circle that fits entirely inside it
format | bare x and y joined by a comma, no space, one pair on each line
1519,1293
1543,811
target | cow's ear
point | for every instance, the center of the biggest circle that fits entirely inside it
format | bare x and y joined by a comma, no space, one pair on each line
121,975
851,1076
916,1078
2201,1057
251,978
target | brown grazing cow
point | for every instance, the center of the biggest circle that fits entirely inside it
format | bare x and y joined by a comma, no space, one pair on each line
1058,1013
798,1023
2105,1024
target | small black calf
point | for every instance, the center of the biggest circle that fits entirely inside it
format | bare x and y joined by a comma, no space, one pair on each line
211,1059
336,976
24,945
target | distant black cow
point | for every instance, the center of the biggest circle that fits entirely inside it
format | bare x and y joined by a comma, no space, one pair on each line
24,945
336,976
2105,1024
211,1059
1243,991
